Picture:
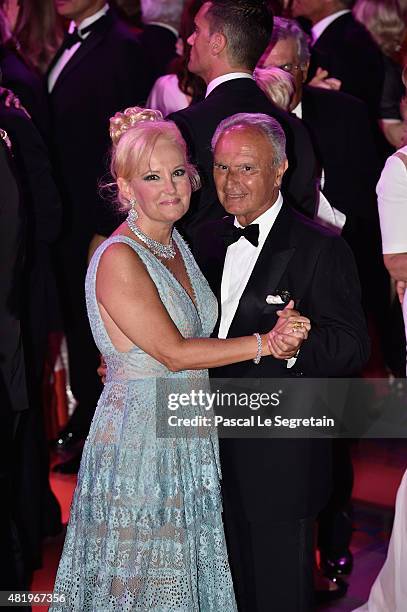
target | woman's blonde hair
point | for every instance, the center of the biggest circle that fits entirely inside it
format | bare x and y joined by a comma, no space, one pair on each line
134,134
277,84
383,19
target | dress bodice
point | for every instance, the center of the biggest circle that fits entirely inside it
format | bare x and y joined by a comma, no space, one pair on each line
193,320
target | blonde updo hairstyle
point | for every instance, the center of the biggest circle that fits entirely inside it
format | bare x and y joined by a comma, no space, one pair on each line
277,84
134,134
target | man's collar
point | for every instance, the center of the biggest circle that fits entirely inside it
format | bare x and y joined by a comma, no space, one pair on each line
89,20
322,25
297,111
226,77
267,219
164,25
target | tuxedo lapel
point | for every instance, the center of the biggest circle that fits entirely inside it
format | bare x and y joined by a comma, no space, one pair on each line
267,272
54,61
95,37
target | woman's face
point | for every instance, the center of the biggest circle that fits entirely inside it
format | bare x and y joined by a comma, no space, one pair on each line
163,189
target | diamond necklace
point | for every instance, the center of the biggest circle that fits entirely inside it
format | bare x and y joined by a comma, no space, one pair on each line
165,251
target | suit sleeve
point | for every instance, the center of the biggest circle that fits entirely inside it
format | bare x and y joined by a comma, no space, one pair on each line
363,164
37,181
300,180
338,344
364,73
186,132
13,393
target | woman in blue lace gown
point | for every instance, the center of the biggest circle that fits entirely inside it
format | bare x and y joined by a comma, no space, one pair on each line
145,530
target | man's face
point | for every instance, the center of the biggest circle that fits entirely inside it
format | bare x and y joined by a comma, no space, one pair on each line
199,58
312,9
78,10
284,55
246,180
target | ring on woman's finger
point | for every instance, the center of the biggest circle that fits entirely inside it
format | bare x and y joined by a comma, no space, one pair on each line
298,325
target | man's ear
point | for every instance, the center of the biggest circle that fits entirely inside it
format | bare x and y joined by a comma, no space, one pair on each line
218,43
280,172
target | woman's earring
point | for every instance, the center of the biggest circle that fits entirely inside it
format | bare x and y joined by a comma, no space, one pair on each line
133,214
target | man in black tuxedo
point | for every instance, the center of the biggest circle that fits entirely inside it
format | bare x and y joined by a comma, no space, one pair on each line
345,148
274,489
100,69
161,20
344,47
229,38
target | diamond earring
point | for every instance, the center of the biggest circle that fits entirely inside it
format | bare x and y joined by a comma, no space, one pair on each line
133,214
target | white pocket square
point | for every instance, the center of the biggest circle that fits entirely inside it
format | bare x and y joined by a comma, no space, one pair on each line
274,299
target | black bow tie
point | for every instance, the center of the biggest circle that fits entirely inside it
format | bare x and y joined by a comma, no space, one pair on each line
233,233
71,38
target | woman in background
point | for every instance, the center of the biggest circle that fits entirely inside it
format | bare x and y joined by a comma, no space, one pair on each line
383,19
18,73
38,31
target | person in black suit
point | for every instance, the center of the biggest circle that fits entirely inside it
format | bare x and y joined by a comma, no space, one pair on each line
42,209
342,46
13,390
274,489
161,21
228,41
100,68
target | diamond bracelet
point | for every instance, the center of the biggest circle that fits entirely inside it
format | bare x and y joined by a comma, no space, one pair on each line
256,360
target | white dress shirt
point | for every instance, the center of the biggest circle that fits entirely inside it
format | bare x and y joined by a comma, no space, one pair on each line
322,25
241,257
68,53
230,76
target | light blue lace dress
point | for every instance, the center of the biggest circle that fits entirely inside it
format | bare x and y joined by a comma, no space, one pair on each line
145,530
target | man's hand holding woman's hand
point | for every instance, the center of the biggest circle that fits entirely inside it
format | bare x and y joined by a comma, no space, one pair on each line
282,342
289,333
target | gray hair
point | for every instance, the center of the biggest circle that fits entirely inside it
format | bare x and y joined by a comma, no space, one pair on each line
266,125
167,11
288,28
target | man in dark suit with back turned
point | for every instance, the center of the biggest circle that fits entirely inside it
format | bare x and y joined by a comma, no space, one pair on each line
344,47
100,69
274,489
229,38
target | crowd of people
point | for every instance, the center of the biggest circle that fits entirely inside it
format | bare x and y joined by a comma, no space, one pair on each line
126,134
